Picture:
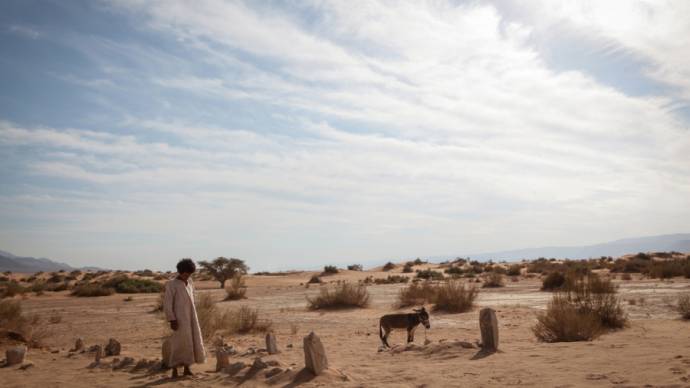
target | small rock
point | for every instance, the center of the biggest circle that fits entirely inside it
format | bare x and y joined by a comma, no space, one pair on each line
26,366
289,346
98,353
427,341
127,361
488,325
79,344
142,364
56,351
272,363
273,372
113,347
232,369
15,355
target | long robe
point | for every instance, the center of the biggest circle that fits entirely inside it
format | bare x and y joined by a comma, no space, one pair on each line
186,343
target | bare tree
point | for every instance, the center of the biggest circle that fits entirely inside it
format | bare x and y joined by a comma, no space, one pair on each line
223,269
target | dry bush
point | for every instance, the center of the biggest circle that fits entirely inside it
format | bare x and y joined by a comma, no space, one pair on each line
329,270
597,295
429,274
315,279
626,276
553,281
388,266
343,295
493,280
10,289
89,290
563,322
417,293
355,267
237,289
30,327
454,297
390,279
684,306
242,321
514,270
207,313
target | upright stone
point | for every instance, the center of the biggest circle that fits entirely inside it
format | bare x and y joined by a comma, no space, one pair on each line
112,348
271,345
488,324
314,354
222,359
99,353
79,344
165,352
15,355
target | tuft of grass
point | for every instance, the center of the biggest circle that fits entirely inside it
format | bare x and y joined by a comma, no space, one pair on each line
626,276
493,280
91,290
391,279
684,306
343,295
454,297
564,322
237,289
242,321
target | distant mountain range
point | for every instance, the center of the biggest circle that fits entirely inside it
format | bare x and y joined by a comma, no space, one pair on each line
10,262
669,242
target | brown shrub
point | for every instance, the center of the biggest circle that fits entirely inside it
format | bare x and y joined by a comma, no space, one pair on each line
242,321
493,280
684,306
343,295
207,313
30,327
454,297
417,293
92,289
563,322
236,289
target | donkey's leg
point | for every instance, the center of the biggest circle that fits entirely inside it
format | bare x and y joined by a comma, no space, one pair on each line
387,332
410,334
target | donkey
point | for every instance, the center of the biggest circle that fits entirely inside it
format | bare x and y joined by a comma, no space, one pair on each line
400,321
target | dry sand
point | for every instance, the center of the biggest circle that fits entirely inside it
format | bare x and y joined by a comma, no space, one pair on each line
653,351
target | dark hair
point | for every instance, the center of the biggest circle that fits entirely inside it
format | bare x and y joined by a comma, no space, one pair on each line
186,265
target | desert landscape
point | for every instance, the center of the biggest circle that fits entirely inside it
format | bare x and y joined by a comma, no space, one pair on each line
651,349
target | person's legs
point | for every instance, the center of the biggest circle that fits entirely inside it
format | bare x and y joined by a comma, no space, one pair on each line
174,372
187,371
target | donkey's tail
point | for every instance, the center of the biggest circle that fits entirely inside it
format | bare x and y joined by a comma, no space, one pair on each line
380,331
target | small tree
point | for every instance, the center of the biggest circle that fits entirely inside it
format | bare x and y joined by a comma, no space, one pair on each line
223,269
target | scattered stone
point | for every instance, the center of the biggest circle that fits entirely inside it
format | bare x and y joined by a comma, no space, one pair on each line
271,345
314,354
427,342
143,364
26,366
222,359
165,352
15,355
127,361
112,348
56,351
273,372
98,350
272,363
79,344
289,346
257,366
233,369
488,324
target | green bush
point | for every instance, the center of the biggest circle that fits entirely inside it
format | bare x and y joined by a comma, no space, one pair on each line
90,290
429,274
125,285
388,266
330,269
355,267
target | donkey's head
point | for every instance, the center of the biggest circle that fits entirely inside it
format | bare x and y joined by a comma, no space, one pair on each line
423,316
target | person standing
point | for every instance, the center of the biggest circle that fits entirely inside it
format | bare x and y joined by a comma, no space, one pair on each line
186,341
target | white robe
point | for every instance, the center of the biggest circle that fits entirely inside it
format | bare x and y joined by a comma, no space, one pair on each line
186,343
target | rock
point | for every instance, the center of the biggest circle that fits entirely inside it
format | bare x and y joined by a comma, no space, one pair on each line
165,352
112,348
127,361
79,344
272,363
488,324
273,372
271,345
233,369
289,346
15,355
27,366
143,364
427,342
258,365
314,354
98,353
222,359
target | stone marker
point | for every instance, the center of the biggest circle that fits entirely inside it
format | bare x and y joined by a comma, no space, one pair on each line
165,351
79,344
112,348
99,353
488,324
271,345
314,354
222,359
15,355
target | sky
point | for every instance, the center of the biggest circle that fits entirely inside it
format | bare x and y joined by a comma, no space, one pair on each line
296,134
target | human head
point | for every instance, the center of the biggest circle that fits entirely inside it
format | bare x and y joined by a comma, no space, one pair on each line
186,268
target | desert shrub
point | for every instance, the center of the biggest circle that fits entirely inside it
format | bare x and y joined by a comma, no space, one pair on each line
388,266
553,281
4,279
242,321
315,279
684,306
514,270
58,287
626,276
56,278
126,285
329,270
29,327
145,273
418,261
429,274
38,286
592,293
10,289
669,268
355,267
454,297
417,293
392,279
407,268
543,265
563,322
493,280
454,270
236,289
89,290
343,295
207,313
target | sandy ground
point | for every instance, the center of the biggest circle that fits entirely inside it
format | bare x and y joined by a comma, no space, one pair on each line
653,351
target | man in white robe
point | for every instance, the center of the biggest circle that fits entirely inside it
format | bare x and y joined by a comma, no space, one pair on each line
186,342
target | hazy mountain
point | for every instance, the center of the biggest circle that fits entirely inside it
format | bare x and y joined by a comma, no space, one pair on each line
669,242
10,262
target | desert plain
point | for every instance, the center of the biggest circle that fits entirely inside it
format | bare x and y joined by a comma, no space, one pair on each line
652,351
